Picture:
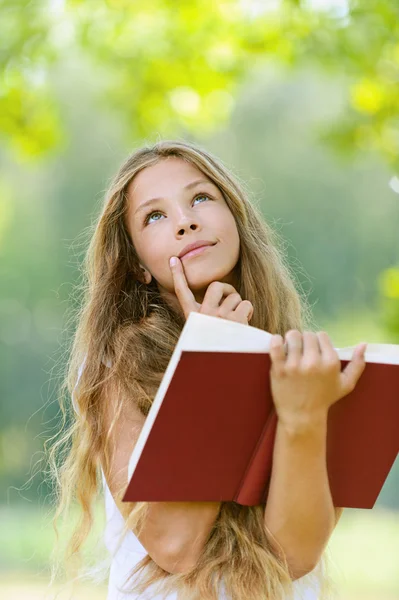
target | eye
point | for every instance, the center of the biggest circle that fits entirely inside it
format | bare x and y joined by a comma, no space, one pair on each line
156,212
201,196
147,219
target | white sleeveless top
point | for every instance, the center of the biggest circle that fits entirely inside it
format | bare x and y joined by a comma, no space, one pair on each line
126,554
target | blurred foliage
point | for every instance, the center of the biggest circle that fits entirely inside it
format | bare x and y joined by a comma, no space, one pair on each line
388,283
169,67
29,121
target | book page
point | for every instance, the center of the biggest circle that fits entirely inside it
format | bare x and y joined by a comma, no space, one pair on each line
207,333
376,353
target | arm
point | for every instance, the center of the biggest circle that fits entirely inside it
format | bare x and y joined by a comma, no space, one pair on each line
175,532
299,511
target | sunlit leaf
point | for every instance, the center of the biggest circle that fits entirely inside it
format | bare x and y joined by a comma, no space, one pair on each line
389,283
165,68
367,96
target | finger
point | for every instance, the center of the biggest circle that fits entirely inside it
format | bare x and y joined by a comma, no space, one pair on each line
184,294
277,351
213,295
311,346
243,312
294,343
229,304
352,372
327,349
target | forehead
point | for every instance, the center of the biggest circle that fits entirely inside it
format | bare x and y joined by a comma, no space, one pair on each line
166,177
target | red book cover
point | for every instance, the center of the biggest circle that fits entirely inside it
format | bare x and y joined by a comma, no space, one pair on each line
213,427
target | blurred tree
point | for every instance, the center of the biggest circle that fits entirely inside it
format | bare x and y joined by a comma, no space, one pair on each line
168,69
29,120
388,285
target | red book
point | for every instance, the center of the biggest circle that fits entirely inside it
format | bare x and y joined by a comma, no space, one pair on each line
209,434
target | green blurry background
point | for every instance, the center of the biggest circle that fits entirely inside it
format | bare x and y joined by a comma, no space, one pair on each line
300,99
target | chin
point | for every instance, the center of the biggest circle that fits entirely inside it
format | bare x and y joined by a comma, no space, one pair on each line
202,280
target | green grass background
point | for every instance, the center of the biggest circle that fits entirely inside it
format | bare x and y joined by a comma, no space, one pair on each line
363,553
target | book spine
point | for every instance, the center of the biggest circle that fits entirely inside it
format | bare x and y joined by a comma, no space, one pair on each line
254,485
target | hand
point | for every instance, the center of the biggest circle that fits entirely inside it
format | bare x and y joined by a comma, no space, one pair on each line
232,308
305,383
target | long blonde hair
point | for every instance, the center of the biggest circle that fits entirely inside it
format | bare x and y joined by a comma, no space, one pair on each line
122,318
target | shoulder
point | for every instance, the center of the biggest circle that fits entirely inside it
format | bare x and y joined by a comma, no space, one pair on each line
123,422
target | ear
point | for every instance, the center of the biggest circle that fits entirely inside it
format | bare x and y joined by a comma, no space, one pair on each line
147,277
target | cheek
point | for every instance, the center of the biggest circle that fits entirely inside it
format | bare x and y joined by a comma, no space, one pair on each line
229,231
154,256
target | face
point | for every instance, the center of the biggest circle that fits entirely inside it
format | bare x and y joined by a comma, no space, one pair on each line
184,212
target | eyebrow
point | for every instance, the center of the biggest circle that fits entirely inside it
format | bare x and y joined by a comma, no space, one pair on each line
186,187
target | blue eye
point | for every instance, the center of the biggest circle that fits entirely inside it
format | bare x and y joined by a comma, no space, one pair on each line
156,212
201,196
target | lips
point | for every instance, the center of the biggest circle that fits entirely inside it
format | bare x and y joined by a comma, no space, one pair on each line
194,246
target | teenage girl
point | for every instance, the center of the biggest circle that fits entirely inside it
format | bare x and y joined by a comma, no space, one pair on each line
141,283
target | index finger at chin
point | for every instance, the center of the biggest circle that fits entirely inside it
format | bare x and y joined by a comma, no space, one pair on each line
183,292
177,271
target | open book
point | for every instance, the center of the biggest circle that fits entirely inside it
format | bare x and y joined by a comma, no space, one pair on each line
209,434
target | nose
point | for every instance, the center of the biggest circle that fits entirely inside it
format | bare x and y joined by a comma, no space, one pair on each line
186,221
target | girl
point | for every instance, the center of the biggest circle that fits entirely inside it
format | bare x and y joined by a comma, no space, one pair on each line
164,199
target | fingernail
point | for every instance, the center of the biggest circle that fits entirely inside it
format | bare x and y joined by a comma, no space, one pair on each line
173,261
